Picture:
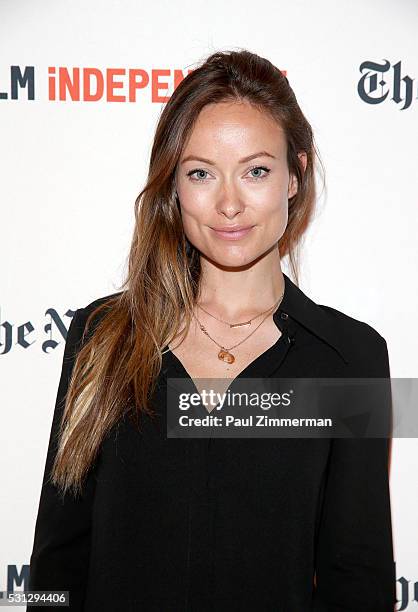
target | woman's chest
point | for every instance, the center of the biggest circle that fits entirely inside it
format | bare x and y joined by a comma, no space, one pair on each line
225,359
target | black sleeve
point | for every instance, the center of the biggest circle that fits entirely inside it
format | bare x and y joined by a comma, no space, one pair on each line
355,567
61,547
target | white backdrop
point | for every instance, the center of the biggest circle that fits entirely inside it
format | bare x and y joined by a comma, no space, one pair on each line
71,170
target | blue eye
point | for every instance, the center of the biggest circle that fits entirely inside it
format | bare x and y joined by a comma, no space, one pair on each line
266,170
201,178
189,174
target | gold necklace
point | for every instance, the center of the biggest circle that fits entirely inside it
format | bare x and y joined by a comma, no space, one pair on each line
236,324
225,353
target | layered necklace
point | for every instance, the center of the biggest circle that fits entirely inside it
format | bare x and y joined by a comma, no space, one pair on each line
224,353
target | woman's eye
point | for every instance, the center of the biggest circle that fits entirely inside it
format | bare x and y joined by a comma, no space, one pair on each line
259,170
199,176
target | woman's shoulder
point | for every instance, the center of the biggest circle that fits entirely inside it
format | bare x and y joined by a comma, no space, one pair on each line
339,328
350,326
100,301
94,311
362,345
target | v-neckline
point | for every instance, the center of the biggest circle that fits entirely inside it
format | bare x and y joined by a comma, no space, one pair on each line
260,367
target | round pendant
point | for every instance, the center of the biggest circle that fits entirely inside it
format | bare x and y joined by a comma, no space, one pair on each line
226,356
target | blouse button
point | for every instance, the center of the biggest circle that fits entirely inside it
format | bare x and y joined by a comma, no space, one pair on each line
284,315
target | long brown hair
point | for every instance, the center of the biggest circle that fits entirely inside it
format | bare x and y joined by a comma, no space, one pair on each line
119,364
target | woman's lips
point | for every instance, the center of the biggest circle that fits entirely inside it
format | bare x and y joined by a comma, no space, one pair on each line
232,235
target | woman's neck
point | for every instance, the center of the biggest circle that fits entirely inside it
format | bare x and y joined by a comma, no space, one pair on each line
234,294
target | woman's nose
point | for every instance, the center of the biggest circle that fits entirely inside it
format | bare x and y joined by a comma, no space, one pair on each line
229,199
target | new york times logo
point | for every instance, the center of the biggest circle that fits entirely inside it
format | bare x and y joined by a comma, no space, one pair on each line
382,81
22,335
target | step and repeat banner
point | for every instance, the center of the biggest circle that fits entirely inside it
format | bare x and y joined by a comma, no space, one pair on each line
82,85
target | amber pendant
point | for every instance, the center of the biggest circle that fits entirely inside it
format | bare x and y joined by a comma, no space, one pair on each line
226,356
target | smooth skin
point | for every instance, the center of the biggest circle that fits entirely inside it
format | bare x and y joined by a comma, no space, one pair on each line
240,278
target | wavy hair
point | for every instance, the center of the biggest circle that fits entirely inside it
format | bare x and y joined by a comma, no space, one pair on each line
118,366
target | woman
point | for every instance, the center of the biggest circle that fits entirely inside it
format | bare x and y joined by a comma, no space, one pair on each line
132,520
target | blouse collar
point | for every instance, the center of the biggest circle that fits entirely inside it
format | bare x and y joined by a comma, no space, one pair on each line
298,306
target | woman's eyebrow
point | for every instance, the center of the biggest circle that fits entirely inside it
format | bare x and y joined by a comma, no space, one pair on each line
193,157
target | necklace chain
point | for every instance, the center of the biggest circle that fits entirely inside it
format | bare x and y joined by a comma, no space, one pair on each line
225,354
237,324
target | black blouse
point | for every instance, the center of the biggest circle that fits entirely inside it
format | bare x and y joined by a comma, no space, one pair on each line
179,525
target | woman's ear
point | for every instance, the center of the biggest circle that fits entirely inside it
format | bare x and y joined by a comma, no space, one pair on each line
293,182
293,186
303,158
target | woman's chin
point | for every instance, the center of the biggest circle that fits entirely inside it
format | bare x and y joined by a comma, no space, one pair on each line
231,260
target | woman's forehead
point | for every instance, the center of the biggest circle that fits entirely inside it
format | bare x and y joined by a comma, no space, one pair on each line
240,128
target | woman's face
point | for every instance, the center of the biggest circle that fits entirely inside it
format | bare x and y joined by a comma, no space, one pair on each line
233,172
